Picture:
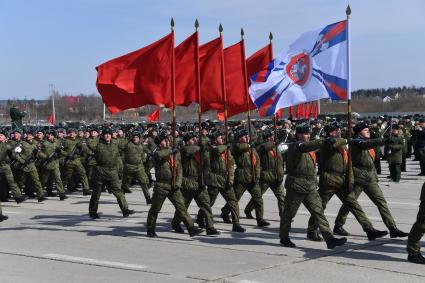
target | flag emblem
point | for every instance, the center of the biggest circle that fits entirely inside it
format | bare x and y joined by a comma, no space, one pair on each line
299,69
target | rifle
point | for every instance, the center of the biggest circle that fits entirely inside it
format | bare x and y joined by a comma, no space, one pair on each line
73,153
51,155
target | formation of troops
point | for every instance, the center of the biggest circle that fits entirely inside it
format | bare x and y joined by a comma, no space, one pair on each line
302,162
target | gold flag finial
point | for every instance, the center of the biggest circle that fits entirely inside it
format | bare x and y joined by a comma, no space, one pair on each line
348,11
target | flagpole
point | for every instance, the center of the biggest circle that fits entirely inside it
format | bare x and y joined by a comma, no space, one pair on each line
275,115
198,91
104,112
349,134
247,103
223,92
173,96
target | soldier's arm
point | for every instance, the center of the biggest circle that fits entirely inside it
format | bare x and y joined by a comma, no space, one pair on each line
190,150
309,146
240,147
179,173
162,154
368,144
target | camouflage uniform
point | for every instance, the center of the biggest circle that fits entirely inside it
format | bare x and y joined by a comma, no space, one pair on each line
395,145
6,171
73,150
418,229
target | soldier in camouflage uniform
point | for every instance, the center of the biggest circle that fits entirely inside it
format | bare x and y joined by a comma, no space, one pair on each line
51,150
150,147
219,177
6,171
74,149
375,133
25,154
133,166
247,176
92,142
405,134
333,181
301,184
416,233
168,173
192,188
366,179
106,153
272,169
395,145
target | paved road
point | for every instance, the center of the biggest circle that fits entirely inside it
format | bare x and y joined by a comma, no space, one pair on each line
57,242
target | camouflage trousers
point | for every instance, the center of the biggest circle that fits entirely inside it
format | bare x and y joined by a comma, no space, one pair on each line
278,192
55,174
417,232
256,196
7,175
140,176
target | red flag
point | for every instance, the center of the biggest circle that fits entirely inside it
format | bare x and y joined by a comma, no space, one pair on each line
307,110
279,113
51,120
210,65
138,78
220,116
316,109
291,113
154,116
186,71
236,98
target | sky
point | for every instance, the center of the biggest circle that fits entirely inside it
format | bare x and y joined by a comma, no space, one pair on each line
61,42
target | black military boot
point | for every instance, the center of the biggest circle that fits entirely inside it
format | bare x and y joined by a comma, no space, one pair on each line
41,199
94,215
128,212
62,197
396,233
238,228
374,234
200,222
248,214
212,231
177,228
286,242
148,200
262,223
416,258
314,236
339,230
151,233
335,242
193,231
226,218
86,193
3,217
20,199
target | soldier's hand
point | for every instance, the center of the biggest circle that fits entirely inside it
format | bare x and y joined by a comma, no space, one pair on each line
58,150
35,150
330,141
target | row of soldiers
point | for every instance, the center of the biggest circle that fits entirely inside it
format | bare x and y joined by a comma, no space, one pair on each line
190,169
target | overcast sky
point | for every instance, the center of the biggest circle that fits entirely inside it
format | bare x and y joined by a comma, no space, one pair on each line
61,41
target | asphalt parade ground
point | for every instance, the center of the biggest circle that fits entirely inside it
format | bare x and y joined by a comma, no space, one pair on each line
56,241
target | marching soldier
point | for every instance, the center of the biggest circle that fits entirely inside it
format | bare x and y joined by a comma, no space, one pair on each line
192,188
150,147
168,173
375,133
300,185
272,169
416,233
219,168
6,171
247,176
332,181
51,150
366,179
133,166
395,145
106,153
72,165
92,142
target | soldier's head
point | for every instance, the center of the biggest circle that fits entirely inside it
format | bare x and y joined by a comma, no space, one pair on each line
243,136
50,135
162,140
287,124
268,135
3,136
94,133
190,138
120,133
107,134
39,135
72,133
362,130
219,138
17,135
422,122
61,133
86,134
81,133
135,137
395,131
29,136
303,132
333,130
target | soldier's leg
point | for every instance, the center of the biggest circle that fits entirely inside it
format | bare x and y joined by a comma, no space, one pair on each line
239,190
403,163
377,162
8,177
35,180
313,203
81,172
187,199
230,197
257,197
95,195
250,206
292,203
56,175
341,218
158,198
212,193
417,232
126,181
397,172
112,183
392,171
349,199
202,199
67,175
143,181
279,193
177,200
325,195
377,197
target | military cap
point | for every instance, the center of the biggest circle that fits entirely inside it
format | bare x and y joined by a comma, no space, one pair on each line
360,127
302,128
106,131
71,130
51,132
61,130
160,137
216,134
136,134
17,130
332,127
188,136
4,132
241,133
421,120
